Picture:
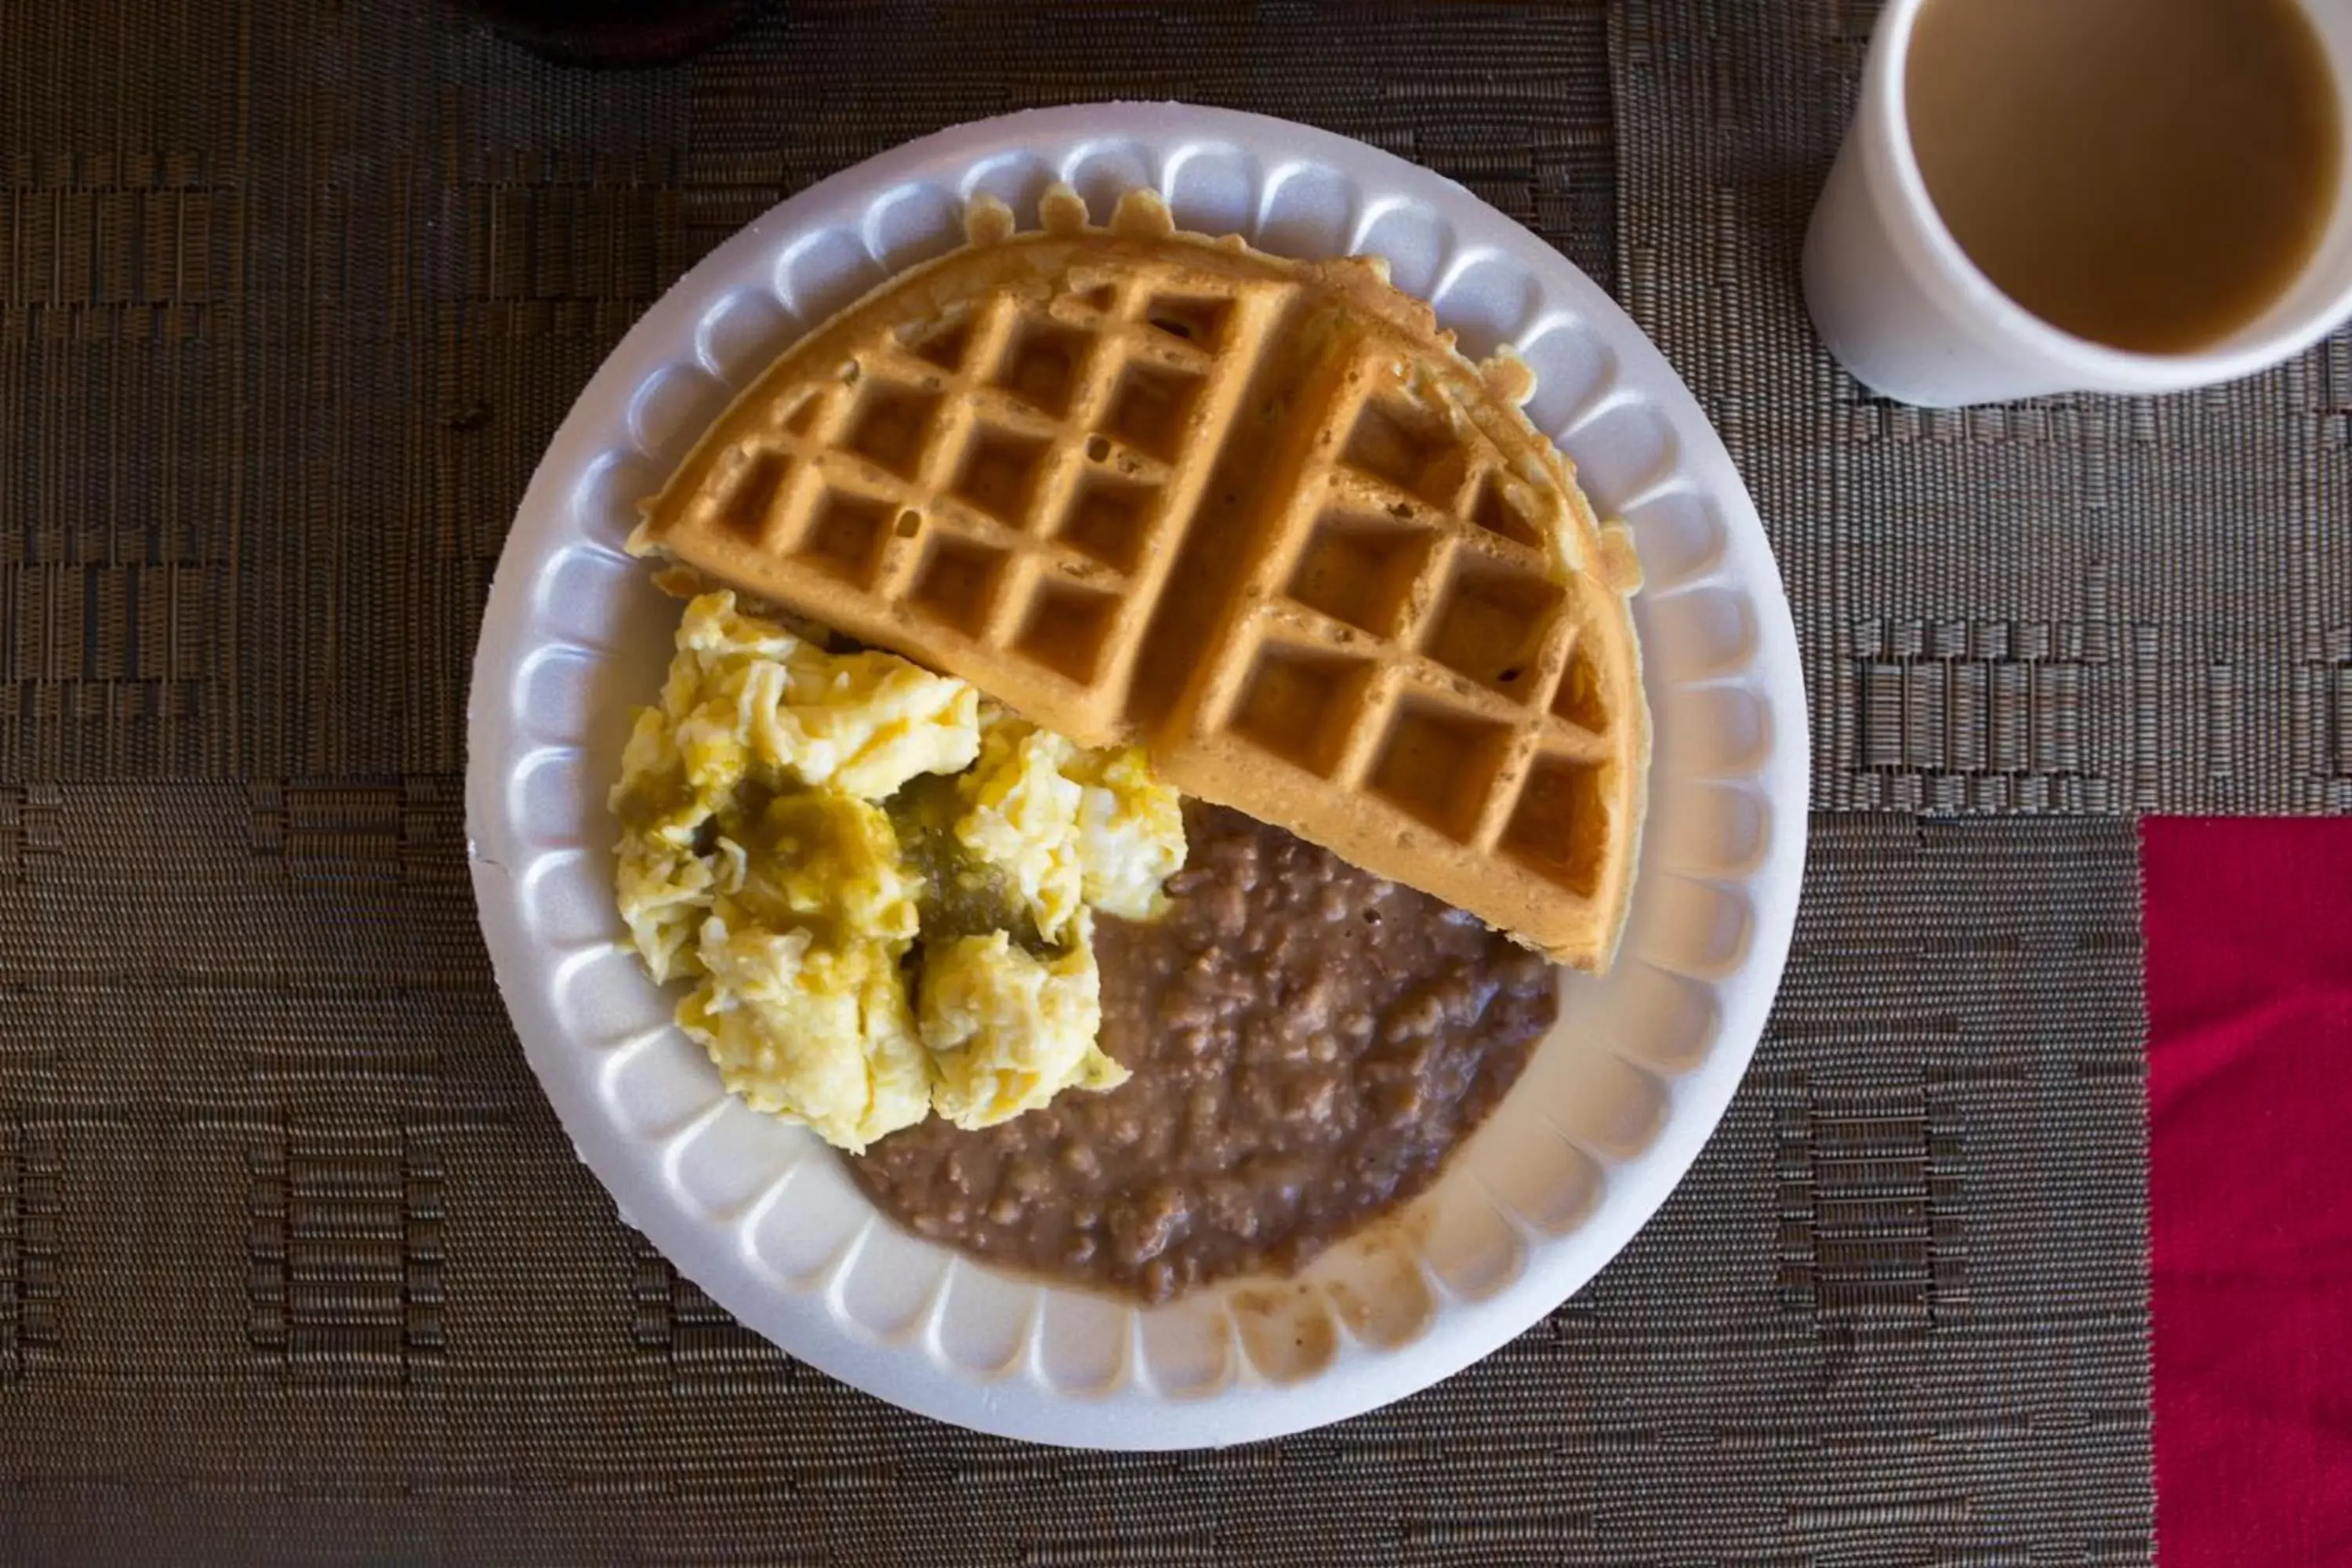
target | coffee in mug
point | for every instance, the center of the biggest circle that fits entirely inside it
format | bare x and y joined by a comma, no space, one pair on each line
2149,174
2244,277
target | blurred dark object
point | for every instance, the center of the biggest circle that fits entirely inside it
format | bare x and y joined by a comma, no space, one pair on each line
615,32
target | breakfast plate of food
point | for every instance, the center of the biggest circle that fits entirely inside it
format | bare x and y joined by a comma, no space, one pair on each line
1137,776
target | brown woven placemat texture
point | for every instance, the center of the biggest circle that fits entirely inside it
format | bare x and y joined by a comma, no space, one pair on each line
294,1264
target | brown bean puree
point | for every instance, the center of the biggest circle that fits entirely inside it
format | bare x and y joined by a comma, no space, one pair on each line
1308,1043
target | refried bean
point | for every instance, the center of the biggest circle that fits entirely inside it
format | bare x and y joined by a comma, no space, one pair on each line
1308,1043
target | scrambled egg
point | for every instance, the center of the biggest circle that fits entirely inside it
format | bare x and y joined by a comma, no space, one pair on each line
1019,817
1067,827
819,1033
759,858
1007,1030
831,862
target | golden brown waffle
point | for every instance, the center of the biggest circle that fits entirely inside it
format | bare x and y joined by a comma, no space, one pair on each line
1256,514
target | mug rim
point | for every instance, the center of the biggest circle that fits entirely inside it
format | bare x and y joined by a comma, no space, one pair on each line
1884,94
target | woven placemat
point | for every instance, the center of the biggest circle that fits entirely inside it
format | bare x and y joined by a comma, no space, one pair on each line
295,1263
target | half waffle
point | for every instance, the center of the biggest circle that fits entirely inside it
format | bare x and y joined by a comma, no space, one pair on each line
1255,514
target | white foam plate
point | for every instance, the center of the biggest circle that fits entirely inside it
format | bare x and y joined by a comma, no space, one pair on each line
1615,1102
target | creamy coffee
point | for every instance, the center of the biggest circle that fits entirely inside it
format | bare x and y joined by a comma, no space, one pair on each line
2147,173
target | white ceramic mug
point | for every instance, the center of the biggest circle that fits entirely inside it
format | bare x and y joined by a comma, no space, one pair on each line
1902,305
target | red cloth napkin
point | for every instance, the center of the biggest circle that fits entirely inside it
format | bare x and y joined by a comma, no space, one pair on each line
2248,929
